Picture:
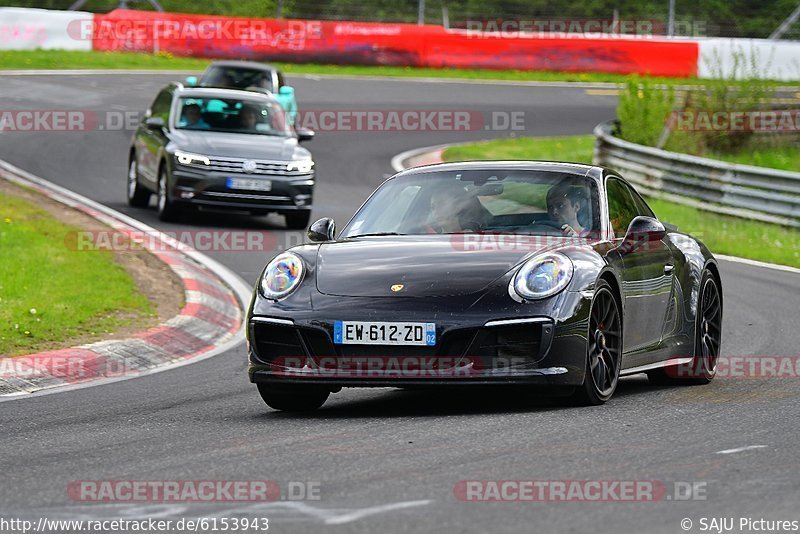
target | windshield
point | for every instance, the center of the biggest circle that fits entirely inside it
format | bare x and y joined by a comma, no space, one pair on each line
232,115
503,201
239,78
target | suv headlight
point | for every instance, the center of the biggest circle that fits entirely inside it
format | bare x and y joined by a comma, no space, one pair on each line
282,276
300,166
542,276
187,158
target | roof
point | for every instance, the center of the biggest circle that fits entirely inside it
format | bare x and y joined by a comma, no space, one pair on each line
214,92
547,166
243,65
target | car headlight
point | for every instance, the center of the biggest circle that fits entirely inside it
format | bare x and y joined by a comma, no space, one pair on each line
283,274
186,158
543,276
300,166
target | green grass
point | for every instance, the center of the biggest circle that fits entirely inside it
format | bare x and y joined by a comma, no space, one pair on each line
722,234
732,235
51,294
63,59
576,148
774,151
780,157
70,59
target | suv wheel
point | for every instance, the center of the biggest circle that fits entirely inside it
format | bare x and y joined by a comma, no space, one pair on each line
138,196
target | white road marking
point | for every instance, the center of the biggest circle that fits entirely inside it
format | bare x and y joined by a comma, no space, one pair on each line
740,449
373,510
756,263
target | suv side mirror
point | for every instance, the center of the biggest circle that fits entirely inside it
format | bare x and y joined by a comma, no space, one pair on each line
304,134
322,230
642,230
154,123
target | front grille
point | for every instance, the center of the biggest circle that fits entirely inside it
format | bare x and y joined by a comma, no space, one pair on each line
513,345
276,343
507,342
278,199
235,166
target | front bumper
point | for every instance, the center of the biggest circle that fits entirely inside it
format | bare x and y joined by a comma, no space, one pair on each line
469,351
210,188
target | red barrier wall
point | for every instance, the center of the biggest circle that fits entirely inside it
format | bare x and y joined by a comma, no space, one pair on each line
384,44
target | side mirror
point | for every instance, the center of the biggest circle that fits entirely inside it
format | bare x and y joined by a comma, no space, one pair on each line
322,230
304,134
154,123
191,81
642,230
286,90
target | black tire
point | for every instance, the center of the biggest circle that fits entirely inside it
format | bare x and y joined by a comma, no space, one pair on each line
297,220
138,196
707,338
293,399
167,209
604,349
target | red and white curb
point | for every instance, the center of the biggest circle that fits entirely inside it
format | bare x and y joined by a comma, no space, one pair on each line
430,155
211,322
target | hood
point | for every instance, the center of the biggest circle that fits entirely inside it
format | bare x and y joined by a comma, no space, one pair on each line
426,266
231,145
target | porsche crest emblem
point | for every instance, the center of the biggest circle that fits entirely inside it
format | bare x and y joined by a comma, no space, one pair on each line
397,287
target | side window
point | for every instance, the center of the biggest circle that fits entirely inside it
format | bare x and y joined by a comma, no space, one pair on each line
622,207
281,83
161,105
641,206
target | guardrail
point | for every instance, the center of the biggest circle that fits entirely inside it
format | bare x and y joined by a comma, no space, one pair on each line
746,191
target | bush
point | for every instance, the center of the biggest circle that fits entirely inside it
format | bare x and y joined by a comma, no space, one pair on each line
643,110
739,90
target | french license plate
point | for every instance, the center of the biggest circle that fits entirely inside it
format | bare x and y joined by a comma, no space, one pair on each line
249,184
377,333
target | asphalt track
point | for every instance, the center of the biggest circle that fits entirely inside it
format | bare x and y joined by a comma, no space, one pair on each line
388,460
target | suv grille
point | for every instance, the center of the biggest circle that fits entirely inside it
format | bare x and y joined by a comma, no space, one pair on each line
236,166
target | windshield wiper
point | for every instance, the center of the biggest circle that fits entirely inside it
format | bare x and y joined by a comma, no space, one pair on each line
374,234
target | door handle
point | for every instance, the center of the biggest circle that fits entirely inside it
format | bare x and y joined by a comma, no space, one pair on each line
668,268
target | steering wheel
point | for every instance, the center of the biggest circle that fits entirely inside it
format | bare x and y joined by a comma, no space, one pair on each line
549,223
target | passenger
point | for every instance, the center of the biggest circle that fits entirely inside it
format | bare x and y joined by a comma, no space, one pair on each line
453,210
568,206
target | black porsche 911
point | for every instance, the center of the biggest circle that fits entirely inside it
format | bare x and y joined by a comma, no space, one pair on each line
487,273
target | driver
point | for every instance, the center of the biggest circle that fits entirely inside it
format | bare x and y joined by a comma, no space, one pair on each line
192,118
248,118
568,206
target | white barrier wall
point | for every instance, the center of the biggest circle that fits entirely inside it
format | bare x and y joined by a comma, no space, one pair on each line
777,60
29,29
